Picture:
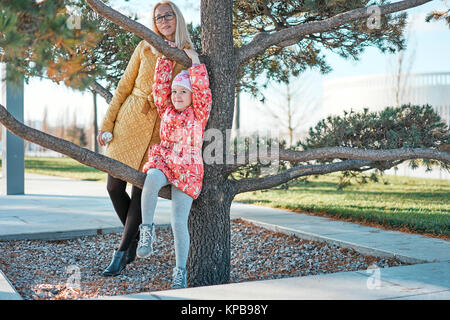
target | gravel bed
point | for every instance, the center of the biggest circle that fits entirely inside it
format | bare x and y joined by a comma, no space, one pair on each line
71,269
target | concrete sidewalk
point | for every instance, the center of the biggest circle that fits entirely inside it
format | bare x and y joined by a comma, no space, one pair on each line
59,208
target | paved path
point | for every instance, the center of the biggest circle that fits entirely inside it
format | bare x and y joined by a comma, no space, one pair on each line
63,208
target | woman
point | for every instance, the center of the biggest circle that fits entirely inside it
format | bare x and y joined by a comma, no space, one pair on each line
133,120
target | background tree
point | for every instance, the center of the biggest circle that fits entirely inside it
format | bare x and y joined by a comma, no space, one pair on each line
45,127
437,15
400,68
440,15
293,107
227,47
406,126
75,133
41,38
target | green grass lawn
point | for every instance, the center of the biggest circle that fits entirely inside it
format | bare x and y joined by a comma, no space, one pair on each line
414,204
63,167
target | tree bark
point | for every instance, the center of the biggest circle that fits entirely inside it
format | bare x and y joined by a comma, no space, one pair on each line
209,259
94,123
253,184
363,154
209,223
346,153
96,87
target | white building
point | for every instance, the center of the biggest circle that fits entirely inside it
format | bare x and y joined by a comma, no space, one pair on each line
376,92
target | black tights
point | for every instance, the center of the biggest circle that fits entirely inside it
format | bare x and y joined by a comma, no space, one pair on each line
128,209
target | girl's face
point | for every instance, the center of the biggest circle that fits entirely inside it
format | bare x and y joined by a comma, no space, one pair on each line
181,98
166,21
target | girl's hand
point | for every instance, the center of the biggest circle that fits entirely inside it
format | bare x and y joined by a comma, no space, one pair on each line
171,43
192,55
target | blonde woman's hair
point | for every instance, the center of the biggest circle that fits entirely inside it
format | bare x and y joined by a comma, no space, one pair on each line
182,39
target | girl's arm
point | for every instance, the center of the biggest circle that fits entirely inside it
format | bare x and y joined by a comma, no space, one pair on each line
161,85
124,88
201,94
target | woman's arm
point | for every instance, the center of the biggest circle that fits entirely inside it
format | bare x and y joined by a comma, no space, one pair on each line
124,88
161,85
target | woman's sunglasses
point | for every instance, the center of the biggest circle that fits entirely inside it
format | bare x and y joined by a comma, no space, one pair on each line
168,17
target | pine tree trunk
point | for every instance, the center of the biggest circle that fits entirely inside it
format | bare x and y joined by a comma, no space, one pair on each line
94,123
209,221
209,226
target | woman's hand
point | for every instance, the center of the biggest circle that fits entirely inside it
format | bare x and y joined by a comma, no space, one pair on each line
99,139
192,55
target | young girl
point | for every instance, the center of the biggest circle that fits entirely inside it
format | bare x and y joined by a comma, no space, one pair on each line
184,109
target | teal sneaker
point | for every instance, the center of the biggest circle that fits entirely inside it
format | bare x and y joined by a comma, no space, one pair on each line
146,239
179,278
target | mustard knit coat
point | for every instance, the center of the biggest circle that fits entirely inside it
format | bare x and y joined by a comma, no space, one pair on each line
132,116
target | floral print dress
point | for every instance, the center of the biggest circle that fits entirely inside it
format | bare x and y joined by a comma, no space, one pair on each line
179,154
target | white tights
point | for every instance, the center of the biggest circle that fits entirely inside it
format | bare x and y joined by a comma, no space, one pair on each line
181,206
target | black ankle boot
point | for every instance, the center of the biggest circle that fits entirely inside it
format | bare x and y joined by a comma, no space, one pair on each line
131,252
117,264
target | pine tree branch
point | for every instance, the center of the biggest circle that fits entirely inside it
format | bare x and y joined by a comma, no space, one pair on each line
87,157
95,86
364,154
141,31
345,153
262,41
253,184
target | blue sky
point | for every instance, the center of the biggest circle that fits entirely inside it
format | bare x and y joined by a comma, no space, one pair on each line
430,41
